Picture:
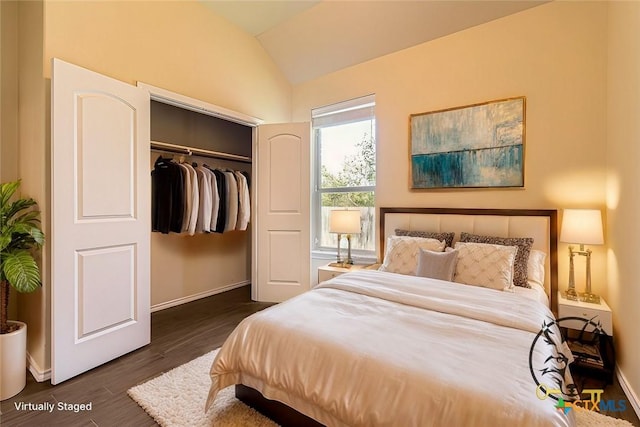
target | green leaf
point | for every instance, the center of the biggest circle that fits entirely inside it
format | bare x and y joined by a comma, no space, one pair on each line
21,271
17,206
19,232
6,191
37,235
5,240
30,217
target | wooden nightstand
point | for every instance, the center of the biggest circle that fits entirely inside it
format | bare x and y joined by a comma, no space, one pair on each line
327,272
594,354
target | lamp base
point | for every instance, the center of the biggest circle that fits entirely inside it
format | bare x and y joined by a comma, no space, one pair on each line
341,264
589,297
571,294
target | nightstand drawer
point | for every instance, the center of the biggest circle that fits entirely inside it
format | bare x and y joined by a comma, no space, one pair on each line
583,312
324,275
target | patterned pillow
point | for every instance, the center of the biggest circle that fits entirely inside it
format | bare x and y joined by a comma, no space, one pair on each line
522,257
437,265
446,236
401,254
486,265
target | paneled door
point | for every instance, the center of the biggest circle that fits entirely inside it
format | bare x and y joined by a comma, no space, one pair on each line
282,254
100,214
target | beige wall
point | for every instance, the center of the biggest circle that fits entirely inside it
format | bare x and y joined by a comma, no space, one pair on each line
33,166
9,102
23,130
177,45
8,90
623,199
554,54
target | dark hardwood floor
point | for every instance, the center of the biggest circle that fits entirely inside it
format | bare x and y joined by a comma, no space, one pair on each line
611,392
179,334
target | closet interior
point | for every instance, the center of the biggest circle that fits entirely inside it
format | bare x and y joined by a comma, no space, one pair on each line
189,265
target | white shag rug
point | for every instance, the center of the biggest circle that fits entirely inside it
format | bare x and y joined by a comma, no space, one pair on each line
177,398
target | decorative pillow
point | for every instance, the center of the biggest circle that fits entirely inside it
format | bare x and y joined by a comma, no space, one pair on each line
446,236
437,265
486,265
401,255
522,257
535,267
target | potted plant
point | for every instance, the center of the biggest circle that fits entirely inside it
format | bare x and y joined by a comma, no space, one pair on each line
20,233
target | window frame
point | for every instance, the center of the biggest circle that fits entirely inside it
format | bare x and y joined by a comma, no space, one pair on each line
317,190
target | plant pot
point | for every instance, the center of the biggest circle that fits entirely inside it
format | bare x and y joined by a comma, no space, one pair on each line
13,361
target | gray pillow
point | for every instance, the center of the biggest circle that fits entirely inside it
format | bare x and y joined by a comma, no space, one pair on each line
442,236
437,265
522,256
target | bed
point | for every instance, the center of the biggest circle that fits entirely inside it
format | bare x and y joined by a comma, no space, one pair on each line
383,348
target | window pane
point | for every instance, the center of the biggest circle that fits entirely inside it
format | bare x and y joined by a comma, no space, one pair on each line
347,155
364,201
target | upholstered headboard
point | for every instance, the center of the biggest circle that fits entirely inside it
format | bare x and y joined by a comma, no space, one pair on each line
539,224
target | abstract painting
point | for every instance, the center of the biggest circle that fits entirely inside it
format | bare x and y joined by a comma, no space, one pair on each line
480,145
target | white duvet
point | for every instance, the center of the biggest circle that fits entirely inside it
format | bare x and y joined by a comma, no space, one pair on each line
371,348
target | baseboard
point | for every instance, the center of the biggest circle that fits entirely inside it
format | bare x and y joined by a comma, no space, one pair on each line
39,374
632,397
184,300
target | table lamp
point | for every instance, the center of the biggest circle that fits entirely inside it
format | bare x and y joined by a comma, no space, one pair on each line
343,221
584,227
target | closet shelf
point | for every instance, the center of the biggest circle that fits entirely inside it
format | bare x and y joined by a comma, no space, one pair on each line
190,151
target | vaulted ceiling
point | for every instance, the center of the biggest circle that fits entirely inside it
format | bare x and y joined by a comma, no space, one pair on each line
308,39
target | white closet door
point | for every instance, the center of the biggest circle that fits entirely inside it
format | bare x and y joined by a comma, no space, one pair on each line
282,261
100,208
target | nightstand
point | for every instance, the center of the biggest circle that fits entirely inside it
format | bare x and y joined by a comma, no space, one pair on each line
327,272
585,310
594,354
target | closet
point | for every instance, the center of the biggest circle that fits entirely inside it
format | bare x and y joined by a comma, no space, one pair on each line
186,267
102,254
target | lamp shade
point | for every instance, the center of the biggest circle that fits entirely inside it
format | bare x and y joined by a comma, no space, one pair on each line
344,221
582,226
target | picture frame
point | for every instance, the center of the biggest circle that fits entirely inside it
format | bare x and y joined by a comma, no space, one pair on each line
473,146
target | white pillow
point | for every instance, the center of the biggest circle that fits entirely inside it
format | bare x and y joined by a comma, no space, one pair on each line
486,265
535,267
401,254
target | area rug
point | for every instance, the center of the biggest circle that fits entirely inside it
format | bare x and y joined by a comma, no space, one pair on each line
177,398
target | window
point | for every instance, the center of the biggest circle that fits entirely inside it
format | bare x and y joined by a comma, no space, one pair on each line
345,170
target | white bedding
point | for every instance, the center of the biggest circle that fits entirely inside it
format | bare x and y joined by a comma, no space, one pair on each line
372,348
536,293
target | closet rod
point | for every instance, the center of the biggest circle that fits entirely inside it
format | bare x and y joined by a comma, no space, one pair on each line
183,149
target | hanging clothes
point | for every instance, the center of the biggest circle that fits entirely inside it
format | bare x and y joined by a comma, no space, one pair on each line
215,199
232,201
222,207
244,209
195,200
167,196
205,206
187,198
